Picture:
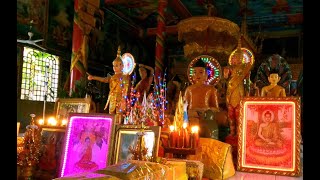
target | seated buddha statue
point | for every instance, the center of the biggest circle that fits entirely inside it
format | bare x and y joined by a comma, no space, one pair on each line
200,96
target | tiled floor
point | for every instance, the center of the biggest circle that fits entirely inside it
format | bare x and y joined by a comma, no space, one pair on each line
256,176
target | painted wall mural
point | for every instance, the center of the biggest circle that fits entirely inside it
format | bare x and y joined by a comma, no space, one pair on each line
27,11
60,25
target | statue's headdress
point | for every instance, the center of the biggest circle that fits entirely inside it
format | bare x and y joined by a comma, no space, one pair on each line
118,58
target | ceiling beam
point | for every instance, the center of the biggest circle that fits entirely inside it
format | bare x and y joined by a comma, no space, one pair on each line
180,9
113,2
278,34
169,30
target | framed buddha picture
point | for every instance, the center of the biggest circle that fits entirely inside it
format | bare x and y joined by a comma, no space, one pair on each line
88,143
269,135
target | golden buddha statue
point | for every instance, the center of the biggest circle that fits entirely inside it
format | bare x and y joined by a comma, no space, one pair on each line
273,90
236,73
200,96
119,85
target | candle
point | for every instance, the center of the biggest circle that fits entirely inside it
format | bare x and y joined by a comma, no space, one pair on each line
195,135
186,135
172,137
192,140
180,139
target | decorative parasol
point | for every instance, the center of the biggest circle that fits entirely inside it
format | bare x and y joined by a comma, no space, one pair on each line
208,35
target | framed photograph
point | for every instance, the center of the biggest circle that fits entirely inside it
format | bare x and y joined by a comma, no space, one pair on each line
52,141
269,135
64,106
126,136
87,143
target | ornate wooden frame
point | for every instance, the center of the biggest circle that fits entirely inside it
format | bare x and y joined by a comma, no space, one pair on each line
61,104
282,157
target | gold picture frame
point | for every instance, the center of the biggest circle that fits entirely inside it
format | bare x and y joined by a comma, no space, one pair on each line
126,135
64,106
52,139
269,136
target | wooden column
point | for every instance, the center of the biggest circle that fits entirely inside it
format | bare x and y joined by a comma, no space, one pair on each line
83,23
160,37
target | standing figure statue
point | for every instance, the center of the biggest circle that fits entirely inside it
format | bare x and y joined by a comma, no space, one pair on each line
144,84
200,96
235,89
119,84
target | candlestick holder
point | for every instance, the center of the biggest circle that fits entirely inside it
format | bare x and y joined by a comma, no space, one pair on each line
182,143
180,153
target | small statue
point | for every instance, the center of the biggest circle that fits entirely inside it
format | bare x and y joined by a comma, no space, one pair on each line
273,90
119,85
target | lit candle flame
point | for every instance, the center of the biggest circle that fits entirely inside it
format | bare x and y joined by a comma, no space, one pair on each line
184,125
64,122
40,121
171,128
194,129
52,121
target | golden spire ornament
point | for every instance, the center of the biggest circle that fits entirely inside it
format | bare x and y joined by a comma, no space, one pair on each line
119,51
29,157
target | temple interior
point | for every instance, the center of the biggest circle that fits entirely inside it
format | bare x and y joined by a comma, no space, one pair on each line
160,89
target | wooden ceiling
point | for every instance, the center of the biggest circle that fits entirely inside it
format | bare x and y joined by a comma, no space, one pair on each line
273,18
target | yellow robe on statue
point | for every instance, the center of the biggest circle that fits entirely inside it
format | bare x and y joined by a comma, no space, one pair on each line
119,86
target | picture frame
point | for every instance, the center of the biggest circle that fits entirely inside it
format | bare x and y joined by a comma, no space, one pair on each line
52,139
269,135
126,135
88,143
64,106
